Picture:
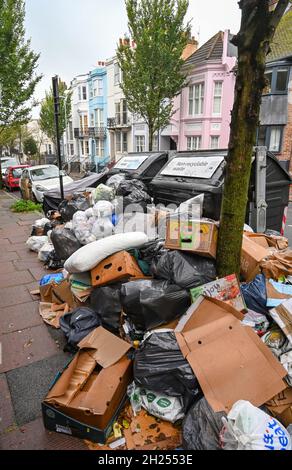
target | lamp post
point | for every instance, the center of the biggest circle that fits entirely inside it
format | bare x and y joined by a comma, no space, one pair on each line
66,153
55,81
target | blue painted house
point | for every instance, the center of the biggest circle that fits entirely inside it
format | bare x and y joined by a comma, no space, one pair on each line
97,129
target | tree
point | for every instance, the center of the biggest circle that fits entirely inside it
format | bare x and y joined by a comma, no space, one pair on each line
253,41
30,146
47,116
152,69
18,65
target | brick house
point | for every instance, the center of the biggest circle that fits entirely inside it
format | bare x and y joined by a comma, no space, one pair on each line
275,129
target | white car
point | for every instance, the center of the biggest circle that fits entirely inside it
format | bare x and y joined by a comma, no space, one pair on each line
40,179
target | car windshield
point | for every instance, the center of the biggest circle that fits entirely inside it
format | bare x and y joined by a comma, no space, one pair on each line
17,172
10,162
41,174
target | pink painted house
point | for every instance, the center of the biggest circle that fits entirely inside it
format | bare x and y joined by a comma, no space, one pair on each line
203,109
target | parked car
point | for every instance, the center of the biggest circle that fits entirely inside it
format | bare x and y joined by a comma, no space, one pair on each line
12,176
35,180
6,162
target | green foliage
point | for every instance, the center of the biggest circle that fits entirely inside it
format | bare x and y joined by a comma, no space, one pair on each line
18,77
152,70
30,146
47,117
26,206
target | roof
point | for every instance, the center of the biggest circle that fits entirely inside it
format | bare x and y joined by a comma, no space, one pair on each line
211,50
282,43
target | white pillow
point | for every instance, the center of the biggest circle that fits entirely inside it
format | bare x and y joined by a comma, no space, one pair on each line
89,256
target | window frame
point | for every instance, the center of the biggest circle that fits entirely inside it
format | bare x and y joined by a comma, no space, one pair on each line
274,72
196,100
268,131
217,96
140,143
217,137
192,138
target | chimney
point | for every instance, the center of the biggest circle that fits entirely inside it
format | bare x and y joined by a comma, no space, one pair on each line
190,48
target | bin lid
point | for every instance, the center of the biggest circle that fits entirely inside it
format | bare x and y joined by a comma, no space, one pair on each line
137,164
193,166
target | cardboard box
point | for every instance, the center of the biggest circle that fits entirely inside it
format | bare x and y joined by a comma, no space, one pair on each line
268,241
277,293
226,289
197,236
282,315
92,387
58,294
281,406
229,360
114,268
251,256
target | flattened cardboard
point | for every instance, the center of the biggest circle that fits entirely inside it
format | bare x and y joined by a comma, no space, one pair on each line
226,289
51,313
251,256
104,347
88,394
197,236
268,241
281,406
114,268
277,293
229,360
282,315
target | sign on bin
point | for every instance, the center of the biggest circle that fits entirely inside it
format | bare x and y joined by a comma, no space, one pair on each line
193,167
130,163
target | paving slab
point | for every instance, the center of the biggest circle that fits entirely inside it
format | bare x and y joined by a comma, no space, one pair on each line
24,347
33,436
30,385
7,266
19,317
39,272
14,296
8,256
19,278
7,417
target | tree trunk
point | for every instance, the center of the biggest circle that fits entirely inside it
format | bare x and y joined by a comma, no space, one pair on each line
150,129
257,29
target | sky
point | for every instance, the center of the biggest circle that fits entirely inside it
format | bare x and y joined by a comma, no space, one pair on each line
73,35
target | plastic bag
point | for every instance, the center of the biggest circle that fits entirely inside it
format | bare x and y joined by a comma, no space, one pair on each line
276,340
36,243
103,209
102,228
201,428
78,324
249,428
163,407
57,278
152,303
286,361
53,262
103,193
89,213
44,252
65,242
115,180
40,223
257,321
106,302
160,366
68,208
184,269
91,255
82,228
127,186
255,294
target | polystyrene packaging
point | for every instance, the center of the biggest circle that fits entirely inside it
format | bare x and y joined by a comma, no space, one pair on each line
87,257
35,243
249,428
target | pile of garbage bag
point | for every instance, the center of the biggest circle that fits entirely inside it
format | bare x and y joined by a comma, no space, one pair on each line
152,326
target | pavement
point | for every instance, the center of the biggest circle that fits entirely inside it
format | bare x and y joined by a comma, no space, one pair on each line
31,353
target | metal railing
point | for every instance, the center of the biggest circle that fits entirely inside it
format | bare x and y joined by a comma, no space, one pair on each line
116,123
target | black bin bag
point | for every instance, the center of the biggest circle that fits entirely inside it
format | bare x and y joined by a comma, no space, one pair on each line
77,325
68,208
202,427
152,303
65,243
106,302
187,270
159,366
